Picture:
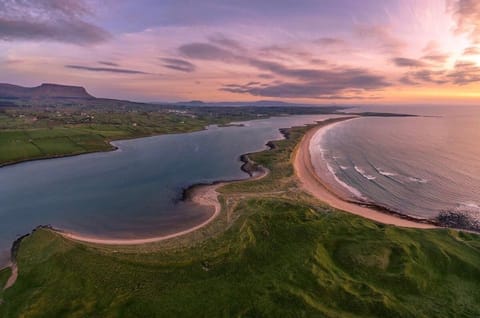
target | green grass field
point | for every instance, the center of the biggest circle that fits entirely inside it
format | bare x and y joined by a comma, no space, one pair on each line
43,143
46,140
50,128
273,252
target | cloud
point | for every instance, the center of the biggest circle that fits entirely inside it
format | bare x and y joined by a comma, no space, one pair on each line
465,73
104,69
407,62
406,80
53,20
302,82
228,43
178,65
206,51
266,76
318,61
471,51
312,83
467,16
436,58
283,52
381,37
291,90
328,41
108,63
429,76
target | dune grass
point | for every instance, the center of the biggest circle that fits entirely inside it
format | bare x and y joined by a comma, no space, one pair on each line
279,259
281,254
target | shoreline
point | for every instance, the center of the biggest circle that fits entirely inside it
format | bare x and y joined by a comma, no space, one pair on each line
208,197
201,194
312,183
110,142
25,161
204,195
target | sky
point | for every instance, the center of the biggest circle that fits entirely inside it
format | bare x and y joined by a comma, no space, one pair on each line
304,51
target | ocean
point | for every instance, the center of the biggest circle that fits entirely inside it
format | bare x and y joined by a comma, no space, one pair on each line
418,166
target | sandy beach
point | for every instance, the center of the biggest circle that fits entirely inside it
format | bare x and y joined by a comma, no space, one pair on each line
313,184
204,195
207,195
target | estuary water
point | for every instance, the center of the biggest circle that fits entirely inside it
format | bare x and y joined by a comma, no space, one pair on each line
133,192
417,166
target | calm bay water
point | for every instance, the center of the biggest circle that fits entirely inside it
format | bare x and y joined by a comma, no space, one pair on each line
132,192
416,166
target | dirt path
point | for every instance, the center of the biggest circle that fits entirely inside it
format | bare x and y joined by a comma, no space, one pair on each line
13,277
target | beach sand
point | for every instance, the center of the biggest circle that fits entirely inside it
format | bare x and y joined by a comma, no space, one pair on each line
312,183
205,195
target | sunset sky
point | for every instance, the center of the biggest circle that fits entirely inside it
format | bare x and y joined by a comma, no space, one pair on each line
338,51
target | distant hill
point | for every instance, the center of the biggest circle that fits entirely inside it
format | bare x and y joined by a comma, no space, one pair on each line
43,91
265,103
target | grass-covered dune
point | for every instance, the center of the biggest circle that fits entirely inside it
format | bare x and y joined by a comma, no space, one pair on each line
273,252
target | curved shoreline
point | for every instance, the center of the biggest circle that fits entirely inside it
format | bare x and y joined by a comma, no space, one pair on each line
201,194
205,195
312,183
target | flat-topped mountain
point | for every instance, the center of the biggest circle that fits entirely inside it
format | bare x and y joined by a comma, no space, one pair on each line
43,91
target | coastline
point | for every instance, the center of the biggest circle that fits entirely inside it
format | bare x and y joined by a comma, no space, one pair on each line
200,194
109,142
314,184
204,195
23,161
207,195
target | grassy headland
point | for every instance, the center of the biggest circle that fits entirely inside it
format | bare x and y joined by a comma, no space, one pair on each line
273,252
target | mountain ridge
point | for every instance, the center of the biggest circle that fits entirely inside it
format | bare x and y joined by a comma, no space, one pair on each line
45,90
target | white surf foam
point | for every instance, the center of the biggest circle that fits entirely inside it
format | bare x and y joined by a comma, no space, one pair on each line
364,174
351,189
471,205
418,180
316,148
386,173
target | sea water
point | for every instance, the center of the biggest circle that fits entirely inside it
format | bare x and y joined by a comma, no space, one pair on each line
417,166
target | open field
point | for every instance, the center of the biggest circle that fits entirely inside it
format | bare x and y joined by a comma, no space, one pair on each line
274,251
